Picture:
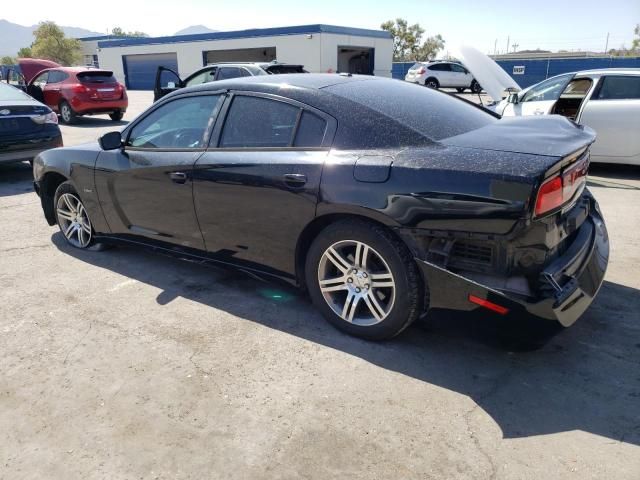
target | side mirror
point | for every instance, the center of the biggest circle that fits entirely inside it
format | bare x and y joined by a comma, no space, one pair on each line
512,98
110,141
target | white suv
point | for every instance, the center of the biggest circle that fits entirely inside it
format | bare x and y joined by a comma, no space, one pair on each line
443,74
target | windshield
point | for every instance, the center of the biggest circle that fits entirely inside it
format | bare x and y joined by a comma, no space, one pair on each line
434,114
548,90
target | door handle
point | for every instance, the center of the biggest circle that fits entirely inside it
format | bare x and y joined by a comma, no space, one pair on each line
295,180
178,177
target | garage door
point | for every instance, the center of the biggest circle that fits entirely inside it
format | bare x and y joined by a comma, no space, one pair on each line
140,70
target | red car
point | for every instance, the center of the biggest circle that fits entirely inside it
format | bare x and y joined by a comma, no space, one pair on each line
76,91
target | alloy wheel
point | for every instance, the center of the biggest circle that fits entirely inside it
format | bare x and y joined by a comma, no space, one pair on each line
73,220
65,113
356,282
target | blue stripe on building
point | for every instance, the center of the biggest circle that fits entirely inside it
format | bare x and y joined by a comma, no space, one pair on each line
536,70
250,33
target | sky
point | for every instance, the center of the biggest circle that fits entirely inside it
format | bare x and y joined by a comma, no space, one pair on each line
487,24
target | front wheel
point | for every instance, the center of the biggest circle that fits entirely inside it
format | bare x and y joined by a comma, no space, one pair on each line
460,90
475,87
364,280
72,217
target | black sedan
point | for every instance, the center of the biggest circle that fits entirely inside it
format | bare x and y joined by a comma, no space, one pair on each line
381,199
27,127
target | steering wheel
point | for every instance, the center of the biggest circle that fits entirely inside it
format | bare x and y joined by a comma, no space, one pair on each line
186,139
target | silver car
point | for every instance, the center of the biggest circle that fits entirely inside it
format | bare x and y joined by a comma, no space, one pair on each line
607,100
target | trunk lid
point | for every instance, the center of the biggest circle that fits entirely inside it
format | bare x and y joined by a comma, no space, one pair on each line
551,135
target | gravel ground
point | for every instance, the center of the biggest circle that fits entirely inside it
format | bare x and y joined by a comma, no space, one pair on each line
124,364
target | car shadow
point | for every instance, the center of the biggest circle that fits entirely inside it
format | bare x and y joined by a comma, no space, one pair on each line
95,122
587,378
15,178
614,176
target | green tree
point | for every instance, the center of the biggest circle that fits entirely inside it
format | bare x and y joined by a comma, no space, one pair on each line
407,41
119,32
635,45
25,52
50,43
7,60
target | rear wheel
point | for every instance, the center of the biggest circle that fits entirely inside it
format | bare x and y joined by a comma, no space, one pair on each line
432,83
66,113
116,116
364,280
475,87
460,90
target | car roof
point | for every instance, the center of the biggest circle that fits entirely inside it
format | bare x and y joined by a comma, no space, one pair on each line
264,83
75,69
610,71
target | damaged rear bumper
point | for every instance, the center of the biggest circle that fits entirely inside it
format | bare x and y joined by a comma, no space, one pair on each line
573,279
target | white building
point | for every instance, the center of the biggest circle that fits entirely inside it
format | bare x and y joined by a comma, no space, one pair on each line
320,48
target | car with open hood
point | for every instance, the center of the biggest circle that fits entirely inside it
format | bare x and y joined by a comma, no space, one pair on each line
168,80
73,91
607,100
381,200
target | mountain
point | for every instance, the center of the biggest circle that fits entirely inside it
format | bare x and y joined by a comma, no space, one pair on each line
193,29
15,36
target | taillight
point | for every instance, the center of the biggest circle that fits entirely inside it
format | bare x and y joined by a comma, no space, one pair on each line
421,71
560,189
79,88
50,117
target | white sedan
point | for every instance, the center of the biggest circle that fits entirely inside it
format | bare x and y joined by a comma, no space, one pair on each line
607,100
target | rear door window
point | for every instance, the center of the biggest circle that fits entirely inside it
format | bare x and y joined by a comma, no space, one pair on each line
256,122
619,88
311,130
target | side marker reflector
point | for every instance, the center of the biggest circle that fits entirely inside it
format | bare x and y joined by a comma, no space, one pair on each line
488,305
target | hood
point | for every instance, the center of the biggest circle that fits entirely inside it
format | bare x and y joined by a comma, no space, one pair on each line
549,135
30,67
489,74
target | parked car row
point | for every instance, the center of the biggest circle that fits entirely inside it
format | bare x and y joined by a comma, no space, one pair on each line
168,81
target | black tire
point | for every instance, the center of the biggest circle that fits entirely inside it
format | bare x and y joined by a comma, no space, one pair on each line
67,115
67,188
475,87
408,301
116,116
460,90
432,83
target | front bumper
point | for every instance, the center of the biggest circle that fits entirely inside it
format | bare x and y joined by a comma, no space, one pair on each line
574,279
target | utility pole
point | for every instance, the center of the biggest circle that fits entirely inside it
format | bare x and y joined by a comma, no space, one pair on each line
495,47
508,40
515,47
606,45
